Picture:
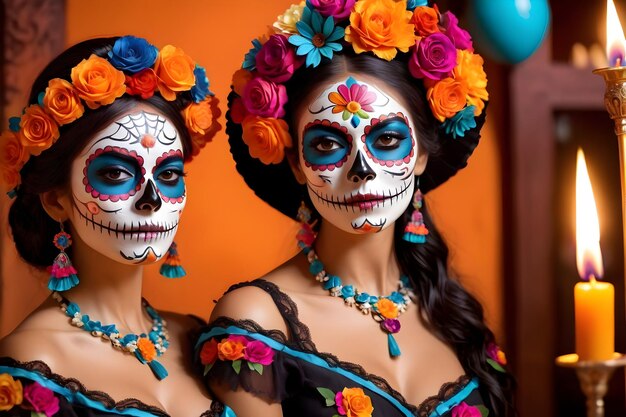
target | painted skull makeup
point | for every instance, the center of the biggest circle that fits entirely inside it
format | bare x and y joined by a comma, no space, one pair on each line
358,152
128,189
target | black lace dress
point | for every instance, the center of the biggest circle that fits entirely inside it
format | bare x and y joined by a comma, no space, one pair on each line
309,383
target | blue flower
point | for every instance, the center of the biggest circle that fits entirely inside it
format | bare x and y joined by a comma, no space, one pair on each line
249,61
317,37
201,89
347,291
362,298
457,125
333,281
396,297
14,124
413,4
132,54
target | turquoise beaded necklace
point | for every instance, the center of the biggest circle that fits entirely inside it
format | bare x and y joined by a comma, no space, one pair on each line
145,347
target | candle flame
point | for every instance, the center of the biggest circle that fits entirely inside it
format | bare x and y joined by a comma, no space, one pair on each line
614,36
588,255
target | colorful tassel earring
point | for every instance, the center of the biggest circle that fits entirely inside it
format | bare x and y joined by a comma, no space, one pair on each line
415,230
171,267
62,272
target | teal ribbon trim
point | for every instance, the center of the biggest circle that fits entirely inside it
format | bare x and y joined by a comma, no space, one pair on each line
456,399
72,396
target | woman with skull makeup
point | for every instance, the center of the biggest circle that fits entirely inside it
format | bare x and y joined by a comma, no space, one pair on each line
96,162
341,118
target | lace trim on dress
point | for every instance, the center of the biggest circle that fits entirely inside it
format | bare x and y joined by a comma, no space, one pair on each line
445,392
75,385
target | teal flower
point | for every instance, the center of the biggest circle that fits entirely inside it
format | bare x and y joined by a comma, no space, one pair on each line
457,125
317,37
249,61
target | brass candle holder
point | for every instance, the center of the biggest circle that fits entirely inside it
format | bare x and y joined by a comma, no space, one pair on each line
594,378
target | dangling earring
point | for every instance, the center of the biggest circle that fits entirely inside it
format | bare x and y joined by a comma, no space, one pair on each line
171,267
306,235
415,230
62,272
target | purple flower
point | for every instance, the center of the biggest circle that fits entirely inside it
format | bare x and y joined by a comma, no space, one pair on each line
465,410
460,37
434,57
391,325
277,59
338,9
265,98
258,352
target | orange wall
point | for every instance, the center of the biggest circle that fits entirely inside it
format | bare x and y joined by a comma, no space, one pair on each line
227,234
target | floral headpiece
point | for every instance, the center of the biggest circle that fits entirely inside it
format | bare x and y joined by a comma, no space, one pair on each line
133,67
438,51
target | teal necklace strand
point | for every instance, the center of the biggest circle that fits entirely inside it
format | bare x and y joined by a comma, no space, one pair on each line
145,347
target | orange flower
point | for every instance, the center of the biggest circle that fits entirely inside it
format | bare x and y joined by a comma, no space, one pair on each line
425,20
447,97
470,69
240,79
38,131
12,158
201,120
61,101
208,354
11,392
98,82
387,308
266,137
501,357
146,348
230,350
381,26
174,70
355,403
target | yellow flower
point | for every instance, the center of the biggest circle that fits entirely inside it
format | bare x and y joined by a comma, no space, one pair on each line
61,101
38,131
174,70
355,403
382,27
447,97
286,22
469,68
201,120
11,392
387,308
266,138
98,82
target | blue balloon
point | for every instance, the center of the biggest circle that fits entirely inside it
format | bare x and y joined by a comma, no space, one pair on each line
508,30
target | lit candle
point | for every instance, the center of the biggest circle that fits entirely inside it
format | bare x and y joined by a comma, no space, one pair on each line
595,323
614,36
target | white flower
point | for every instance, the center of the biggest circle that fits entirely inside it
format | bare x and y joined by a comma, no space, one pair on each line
286,22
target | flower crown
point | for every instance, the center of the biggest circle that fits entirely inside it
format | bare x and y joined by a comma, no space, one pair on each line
133,66
439,52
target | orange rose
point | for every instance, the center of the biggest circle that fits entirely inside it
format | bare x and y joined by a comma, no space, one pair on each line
201,120
381,26
470,69
266,138
355,403
501,357
387,308
61,101
12,158
11,392
174,70
447,97
240,79
38,131
146,348
230,350
425,20
98,82
208,354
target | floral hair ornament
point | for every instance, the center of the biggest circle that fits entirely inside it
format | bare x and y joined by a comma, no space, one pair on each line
437,51
134,67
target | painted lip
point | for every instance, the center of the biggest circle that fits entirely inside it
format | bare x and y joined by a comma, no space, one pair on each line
365,201
362,201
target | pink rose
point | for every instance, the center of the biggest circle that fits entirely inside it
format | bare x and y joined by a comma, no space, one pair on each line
339,403
277,59
265,98
338,9
434,57
460,37
41,399
464,410
258,352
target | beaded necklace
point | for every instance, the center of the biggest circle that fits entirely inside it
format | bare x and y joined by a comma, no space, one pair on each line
145,347
385,310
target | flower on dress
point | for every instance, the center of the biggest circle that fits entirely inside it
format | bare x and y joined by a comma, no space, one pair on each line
316,37
353,100
11,392
351,402
41,399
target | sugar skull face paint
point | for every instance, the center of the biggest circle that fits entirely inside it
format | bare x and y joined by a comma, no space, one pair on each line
128,188
358,152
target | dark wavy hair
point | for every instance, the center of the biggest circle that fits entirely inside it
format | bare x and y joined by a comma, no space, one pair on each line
32,229
451,313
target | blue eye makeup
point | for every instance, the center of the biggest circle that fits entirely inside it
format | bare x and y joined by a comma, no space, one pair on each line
324,146
390,140
170,177
113,174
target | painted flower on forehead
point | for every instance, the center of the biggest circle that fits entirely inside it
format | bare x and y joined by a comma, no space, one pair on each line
316,37
41,399
338,9
38,131
98,82
434,57
425,20
277,60
265,98
61,101
143,83
175,72
266,138
352,100
381,26
460,37
131,54
286,22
